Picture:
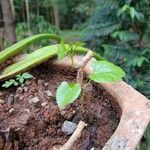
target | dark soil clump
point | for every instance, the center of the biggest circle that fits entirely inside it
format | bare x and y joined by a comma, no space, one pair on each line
32,120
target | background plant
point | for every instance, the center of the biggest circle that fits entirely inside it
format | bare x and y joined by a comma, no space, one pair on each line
120,31
18,81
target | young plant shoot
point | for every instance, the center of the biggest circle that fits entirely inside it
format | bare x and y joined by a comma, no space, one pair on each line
19,80
70,50
67,93
103,72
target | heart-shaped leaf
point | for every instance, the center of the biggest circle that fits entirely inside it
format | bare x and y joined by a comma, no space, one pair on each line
67,93
105,71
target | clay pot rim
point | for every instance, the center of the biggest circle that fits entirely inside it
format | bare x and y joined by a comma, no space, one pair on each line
135,110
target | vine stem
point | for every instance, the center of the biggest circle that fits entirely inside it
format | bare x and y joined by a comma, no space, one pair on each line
80,73
72,61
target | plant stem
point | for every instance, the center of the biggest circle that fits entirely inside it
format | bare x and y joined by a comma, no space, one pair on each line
72,61
86,89
80,74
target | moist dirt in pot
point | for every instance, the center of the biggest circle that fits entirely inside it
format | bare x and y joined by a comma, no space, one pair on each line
30,118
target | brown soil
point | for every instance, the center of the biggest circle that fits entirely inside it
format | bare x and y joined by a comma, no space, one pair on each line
36,127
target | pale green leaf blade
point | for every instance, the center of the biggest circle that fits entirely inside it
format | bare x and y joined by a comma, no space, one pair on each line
105,71
27,76
62,50
18,47
67,93
7,84
29,62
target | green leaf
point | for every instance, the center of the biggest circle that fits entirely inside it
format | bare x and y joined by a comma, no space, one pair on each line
16,83
18,47
26,76
78,43
62,50
29,62
35,58
67,93
126,35
105,71
9,83
21,80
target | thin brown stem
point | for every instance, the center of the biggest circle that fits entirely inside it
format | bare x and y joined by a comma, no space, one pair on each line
85,98
80,73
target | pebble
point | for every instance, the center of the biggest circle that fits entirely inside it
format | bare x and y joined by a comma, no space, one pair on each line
21,97
16,97
34,100
44,103
46,84
23,119
19,90
2,101
68,127
67,113
49,93
26,111
11,110
10,99
25,89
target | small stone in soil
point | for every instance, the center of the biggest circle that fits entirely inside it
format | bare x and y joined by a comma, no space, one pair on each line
34,100
46,84
49,93
23,119
16,97
44,103
12,110
2,101
25,89
68,127
19,90
10,99
67,113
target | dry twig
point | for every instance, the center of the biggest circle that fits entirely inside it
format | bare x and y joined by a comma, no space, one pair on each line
73,138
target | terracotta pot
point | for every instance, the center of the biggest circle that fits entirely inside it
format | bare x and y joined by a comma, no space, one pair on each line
135,111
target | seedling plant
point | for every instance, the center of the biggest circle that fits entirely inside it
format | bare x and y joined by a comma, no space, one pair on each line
67,93
103,72
18,80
